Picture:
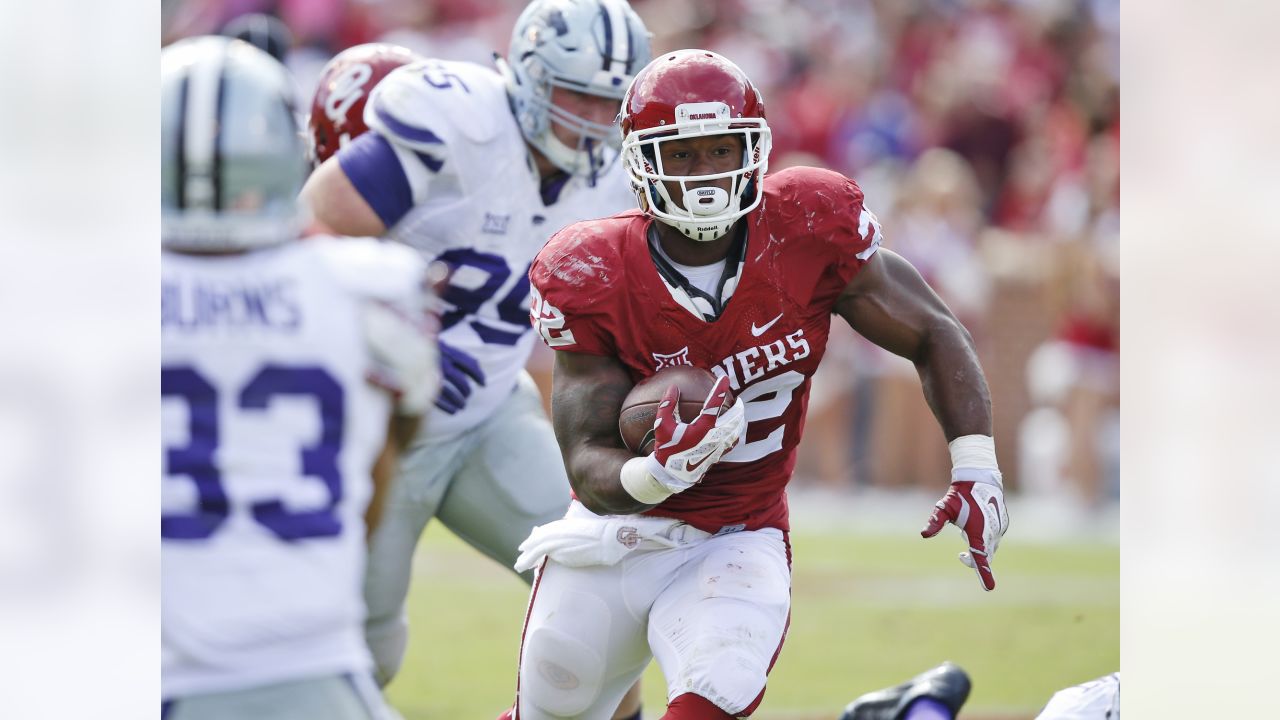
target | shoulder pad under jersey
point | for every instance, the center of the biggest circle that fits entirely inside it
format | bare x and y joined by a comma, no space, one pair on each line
431,105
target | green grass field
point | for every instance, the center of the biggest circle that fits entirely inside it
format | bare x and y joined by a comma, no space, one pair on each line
866,612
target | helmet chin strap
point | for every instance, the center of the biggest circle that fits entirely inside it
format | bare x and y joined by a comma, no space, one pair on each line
699,232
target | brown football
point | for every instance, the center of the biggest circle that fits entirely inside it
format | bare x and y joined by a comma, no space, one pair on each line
635,421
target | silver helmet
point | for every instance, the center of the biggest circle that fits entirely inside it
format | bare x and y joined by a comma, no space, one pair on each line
591,46
232,158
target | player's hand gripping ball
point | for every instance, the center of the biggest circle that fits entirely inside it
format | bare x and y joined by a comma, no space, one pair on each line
635,421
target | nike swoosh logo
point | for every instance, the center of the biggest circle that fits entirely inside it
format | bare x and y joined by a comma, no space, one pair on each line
758,331
992,502
691,466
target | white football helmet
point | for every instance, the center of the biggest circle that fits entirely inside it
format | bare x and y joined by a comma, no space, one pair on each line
591,46
232,157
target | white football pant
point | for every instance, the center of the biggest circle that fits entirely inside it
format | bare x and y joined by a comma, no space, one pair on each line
713,610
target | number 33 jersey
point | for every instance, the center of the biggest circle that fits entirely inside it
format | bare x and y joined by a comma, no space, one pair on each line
270,423
446,168
599,290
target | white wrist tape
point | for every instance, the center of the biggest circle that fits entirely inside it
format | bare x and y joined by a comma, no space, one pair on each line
973,457
641,484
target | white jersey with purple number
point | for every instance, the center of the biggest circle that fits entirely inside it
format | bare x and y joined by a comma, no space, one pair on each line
269,430
446,168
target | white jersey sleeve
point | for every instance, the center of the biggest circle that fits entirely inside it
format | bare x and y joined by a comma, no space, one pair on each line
418,116
428,105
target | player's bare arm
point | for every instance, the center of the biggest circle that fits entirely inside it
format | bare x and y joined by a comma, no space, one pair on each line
888,303
337,205
400,432
891,305
586,398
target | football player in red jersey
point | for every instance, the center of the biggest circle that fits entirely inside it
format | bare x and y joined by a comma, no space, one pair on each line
683,554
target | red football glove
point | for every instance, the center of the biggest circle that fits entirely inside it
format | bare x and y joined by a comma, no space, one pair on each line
975,504
683,452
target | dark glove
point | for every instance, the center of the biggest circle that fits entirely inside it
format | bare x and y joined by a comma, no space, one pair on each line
459,370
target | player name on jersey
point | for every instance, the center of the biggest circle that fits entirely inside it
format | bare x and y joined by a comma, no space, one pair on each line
201,305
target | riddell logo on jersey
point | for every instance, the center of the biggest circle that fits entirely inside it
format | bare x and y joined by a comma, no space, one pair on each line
679,357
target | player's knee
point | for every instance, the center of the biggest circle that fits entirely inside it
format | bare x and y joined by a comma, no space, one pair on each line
559,674
728,662
730,678
563,658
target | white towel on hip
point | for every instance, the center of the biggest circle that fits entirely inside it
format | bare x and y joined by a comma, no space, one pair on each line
586,541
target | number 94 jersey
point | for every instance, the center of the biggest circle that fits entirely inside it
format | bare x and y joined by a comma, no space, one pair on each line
446,168
597,290
270,426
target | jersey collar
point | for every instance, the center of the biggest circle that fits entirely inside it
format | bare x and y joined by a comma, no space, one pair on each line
697,302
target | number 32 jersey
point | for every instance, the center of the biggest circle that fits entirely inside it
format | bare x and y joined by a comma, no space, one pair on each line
597,290
446,168
270,427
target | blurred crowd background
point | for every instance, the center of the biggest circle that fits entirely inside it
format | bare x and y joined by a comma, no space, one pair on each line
986,134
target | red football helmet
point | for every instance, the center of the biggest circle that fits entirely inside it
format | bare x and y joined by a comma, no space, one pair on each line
691,93
337,110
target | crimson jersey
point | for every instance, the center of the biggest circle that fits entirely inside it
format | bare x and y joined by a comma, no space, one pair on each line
597,291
